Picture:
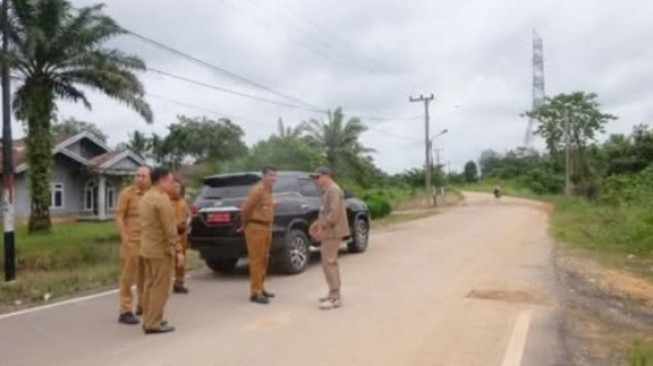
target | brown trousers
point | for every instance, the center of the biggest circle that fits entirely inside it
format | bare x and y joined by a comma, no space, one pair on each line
132,271
329,253
158,275
180,271
259,239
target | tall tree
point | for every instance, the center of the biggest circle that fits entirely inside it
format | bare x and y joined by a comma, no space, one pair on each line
72,126
55,49
205,139
338,141
471,172
580,113
139,143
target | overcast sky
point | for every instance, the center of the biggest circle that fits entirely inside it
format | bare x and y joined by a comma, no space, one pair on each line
369,56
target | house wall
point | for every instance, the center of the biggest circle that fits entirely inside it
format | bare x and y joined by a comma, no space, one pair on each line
86,149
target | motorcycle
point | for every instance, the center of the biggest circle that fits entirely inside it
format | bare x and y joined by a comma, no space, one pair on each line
497,192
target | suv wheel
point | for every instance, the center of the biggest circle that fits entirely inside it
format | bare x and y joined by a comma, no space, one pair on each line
295,254
361,238
222,265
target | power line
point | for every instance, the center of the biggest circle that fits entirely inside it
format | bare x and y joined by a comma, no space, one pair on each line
206,110
216,68
187,56
229,91
249,120
344,56
253,97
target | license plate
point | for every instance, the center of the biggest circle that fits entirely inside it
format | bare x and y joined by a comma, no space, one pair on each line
218,218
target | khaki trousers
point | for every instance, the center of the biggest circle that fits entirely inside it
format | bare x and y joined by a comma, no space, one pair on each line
329,253
131,272
259,239
158,278
180,271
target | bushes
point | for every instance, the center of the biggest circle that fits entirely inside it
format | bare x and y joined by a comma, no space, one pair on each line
542,181
379,203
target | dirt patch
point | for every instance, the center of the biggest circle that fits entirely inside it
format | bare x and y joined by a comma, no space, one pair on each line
606,310
517,297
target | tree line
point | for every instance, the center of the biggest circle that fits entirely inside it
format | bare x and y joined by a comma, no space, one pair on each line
571,123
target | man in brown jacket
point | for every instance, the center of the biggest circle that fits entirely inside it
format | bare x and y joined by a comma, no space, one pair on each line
330,229
129,226
256,217
182,216
159,243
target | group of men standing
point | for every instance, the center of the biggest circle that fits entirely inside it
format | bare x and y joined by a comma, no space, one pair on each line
153,218
331,227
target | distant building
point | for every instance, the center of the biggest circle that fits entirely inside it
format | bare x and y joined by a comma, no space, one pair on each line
86,177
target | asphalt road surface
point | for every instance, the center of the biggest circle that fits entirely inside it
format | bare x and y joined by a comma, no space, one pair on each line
473,286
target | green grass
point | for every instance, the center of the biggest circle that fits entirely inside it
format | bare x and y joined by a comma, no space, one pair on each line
73,257
641,354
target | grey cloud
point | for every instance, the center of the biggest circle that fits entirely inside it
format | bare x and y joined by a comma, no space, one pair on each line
475,54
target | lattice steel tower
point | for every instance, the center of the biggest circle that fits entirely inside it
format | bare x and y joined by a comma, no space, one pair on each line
538,84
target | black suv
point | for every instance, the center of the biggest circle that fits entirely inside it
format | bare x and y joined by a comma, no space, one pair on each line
214,229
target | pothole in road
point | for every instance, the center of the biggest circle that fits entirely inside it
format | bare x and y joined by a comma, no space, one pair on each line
517,297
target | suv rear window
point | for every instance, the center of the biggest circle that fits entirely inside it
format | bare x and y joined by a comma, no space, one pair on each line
239,188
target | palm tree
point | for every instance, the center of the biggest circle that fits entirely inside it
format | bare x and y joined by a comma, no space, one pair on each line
285,133
55,49
337,140
139,143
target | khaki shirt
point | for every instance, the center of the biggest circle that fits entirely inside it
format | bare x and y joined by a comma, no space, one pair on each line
258,207
127,208
158,226
182,215
333,213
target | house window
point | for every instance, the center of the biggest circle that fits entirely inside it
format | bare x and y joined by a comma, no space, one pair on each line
56,195
89,196
111,197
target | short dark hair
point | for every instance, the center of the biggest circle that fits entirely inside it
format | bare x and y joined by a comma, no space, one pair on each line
268,168
157,174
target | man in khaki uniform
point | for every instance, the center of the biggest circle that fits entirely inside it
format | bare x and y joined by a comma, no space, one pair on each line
330,229
182,218
159,243
130,239
256,217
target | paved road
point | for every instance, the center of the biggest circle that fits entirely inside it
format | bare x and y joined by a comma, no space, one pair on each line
406,302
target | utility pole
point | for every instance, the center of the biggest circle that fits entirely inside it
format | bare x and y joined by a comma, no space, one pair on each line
567,156
428,167
7,158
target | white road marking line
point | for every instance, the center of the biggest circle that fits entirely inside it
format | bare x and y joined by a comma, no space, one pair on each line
65,302
517,343
60,303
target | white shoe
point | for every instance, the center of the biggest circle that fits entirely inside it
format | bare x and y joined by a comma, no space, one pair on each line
331,304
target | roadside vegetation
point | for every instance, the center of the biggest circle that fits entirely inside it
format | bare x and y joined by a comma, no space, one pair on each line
608,213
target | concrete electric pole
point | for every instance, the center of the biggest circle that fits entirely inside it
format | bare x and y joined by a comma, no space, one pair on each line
428,167
7,158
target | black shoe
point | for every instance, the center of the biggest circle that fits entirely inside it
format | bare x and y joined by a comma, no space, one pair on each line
163,323
180,289
128,318
259,299
160,329
139,312
269,295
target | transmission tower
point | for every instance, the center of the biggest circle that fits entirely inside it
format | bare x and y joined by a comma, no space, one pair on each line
538,84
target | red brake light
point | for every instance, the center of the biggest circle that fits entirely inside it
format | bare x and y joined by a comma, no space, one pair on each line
194,209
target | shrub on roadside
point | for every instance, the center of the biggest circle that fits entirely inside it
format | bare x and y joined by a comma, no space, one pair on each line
378,204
